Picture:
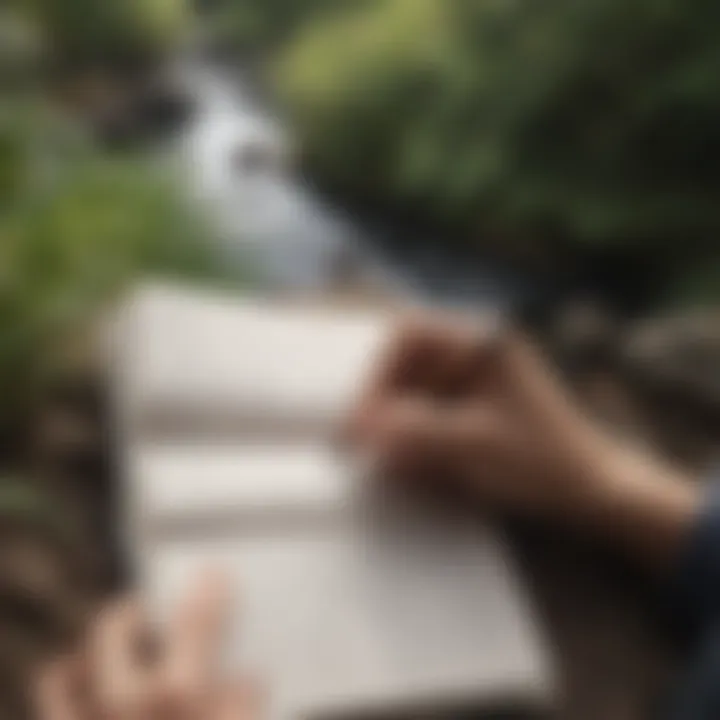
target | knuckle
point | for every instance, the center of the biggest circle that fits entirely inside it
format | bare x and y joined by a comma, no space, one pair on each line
413,330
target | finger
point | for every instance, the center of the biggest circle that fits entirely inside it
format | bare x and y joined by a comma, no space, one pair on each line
435,355
54,694
243,701
416,436
117,676
194,635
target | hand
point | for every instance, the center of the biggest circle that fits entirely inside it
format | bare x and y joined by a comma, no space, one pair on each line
479,406
118,675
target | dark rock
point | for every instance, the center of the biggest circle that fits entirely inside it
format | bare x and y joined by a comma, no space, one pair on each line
122,111
161,106
673,364
678,355
583,336
62,436
655,381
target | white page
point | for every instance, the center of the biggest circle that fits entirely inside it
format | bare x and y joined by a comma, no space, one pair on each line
345,611
206,481
246,363
338,623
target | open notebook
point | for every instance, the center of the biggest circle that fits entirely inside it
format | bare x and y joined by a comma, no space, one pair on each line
351,605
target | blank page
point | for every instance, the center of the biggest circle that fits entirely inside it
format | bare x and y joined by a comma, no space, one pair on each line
350,605
247,364
341,620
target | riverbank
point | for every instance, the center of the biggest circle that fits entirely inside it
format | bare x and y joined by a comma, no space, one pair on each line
654,383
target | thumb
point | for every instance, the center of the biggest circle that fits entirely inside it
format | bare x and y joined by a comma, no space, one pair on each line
243,701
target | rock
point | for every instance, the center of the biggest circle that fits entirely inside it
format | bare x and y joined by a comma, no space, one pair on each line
673,363
41,612
655,381
62,436
160,105
123,110
583,335
678,355
39,590
260,152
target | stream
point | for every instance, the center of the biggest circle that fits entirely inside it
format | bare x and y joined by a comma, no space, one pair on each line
234,155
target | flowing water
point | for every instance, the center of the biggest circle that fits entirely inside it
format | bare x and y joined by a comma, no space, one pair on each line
235,156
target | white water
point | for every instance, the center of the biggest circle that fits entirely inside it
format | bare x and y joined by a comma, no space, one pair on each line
264,213
268,217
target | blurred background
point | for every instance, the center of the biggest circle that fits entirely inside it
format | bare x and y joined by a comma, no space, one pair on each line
558,160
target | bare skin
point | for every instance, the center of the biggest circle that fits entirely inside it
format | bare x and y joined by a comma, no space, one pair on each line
452,401
481,407
111,677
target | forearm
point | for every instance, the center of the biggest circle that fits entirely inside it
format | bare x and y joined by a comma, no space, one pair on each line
644,506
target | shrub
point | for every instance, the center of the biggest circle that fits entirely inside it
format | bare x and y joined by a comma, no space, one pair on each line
261,25
76,228
598,121
82,32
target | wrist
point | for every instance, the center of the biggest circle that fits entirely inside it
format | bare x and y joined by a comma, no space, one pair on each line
640,503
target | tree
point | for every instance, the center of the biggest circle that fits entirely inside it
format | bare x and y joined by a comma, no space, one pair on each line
81,32
597,122
263,25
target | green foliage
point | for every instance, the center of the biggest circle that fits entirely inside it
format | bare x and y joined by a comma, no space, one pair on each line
76,228
594,121
257,25
20,49
81,32
698,286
